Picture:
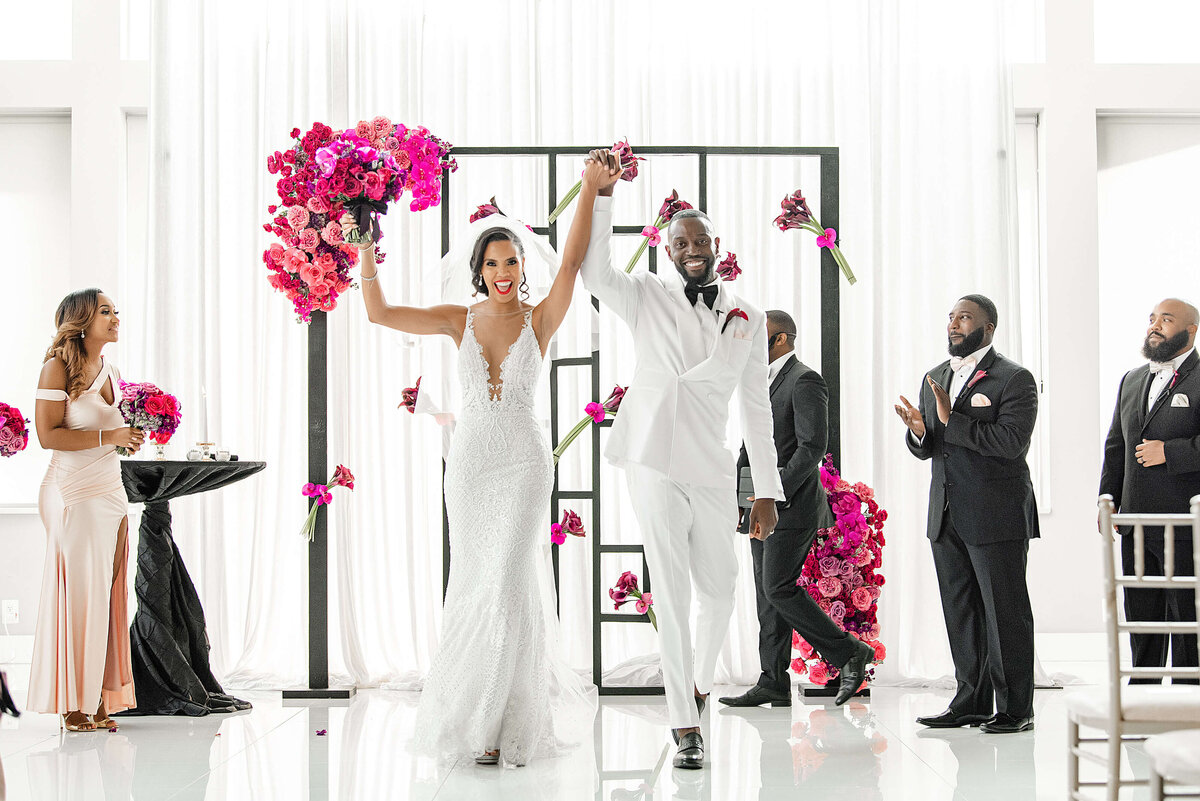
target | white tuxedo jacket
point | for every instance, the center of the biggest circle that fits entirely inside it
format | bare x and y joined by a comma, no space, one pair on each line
674,414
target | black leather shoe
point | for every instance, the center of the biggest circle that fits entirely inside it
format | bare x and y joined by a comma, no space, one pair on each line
853,673
701,702
1004,723
952,720
757,696
691,751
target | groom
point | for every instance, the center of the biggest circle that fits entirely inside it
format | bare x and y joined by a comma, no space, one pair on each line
695,343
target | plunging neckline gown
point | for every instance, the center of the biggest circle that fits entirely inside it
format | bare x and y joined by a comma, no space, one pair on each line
490,684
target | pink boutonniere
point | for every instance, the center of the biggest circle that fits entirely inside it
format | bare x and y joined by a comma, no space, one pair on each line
732,314
1174,378
979,374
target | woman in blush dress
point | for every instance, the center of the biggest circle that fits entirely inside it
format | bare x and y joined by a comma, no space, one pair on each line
82,668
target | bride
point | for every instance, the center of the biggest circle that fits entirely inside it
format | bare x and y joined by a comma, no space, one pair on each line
488,692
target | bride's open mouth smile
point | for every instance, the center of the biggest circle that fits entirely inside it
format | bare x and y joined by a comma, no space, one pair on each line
504,287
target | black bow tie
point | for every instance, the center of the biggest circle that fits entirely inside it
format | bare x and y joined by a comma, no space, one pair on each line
709,292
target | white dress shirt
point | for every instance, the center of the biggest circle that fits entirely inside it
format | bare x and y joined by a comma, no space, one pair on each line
960,378
774,367
1162,379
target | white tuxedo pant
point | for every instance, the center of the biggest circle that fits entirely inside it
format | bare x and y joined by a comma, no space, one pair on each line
688,534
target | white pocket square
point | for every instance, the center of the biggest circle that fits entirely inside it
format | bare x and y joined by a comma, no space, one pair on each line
1180,400
981,400
741,335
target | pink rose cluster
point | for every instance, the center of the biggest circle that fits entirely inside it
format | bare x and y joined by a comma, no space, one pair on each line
841,572
147,407
14,430
310,263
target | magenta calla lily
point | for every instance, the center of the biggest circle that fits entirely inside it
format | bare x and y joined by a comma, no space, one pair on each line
594,413
797,215
322,496
626,589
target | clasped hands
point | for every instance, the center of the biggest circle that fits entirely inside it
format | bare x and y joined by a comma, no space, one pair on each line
912,416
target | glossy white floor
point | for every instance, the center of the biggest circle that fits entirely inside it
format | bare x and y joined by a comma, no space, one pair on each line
862,751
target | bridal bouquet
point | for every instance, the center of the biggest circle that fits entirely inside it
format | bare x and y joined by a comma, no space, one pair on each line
593,413
671,206
627,589
147,407
628,164
14,432
796,214
840,572
322,495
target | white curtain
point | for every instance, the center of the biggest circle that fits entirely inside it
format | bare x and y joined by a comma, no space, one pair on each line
913,94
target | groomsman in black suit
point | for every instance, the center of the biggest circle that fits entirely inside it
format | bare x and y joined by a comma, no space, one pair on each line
1152,464
975,421
799,407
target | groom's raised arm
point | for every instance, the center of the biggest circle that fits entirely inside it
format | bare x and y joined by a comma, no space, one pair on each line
615,288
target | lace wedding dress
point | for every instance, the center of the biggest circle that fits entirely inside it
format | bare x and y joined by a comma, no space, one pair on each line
493,683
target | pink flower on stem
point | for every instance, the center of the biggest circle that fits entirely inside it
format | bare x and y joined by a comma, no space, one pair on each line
409,397
644,603
728,269
671,206
619,597
795,212
556,534
628,581
652,234
572,524
486,210
979,376
595,411
828,239
628,160
342,477
613,403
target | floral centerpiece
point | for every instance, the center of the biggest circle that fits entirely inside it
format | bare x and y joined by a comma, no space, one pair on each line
147,407
322,496
14,430
841,572
796,214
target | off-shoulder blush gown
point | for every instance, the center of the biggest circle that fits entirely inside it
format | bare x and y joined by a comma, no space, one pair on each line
81,643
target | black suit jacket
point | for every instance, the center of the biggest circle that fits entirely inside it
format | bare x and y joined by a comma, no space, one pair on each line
1165,488
979,467
800,412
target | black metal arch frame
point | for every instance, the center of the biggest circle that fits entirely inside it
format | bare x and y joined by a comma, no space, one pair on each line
830,353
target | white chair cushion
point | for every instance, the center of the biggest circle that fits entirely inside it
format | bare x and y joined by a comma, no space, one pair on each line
1166,703
1176,755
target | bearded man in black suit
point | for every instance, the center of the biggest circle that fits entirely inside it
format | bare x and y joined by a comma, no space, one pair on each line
1152,464
799,409
975,421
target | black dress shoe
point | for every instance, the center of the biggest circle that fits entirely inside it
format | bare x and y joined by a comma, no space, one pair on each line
701,702
952,720
757,696
853,673
691,751
1004,723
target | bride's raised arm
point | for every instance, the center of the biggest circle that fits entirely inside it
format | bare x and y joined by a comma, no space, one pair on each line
445,319
601,172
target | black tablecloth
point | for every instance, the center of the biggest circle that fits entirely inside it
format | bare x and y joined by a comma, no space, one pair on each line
171,673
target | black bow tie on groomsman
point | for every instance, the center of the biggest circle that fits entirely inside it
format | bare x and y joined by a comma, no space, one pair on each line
709,292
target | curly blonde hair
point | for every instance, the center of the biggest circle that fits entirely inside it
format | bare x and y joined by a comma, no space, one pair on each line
74,316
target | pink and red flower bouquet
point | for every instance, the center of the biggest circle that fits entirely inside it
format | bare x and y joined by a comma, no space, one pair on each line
361,168
14,430
841,572
147,407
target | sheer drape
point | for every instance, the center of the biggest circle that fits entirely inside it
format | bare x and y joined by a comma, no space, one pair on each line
914,94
